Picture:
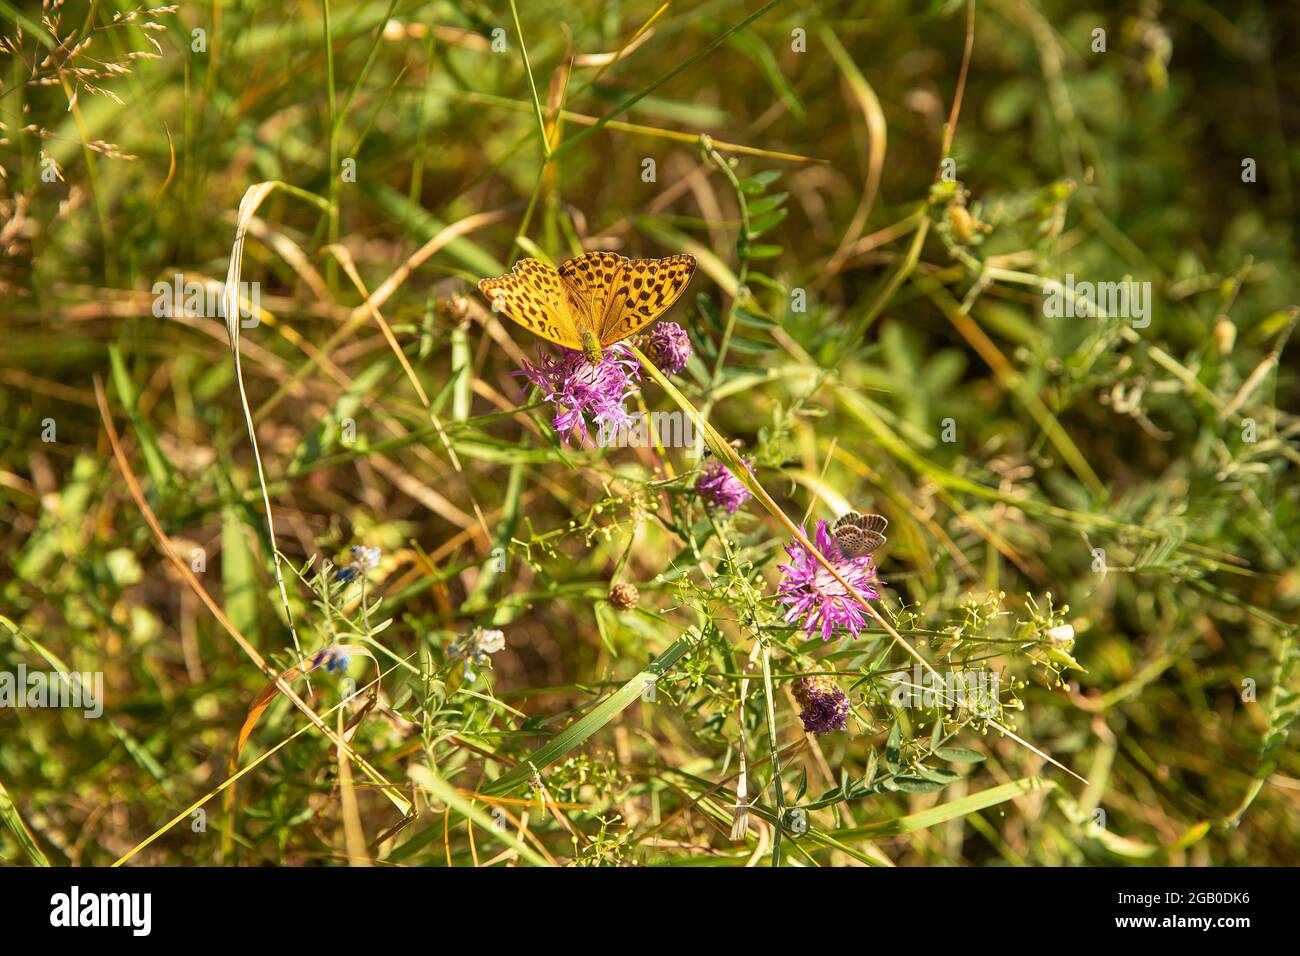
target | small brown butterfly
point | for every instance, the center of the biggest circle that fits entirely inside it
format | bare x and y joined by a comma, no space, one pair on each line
858,534
592,301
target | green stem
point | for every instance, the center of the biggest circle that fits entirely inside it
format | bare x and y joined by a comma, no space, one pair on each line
773,749
331,267
742,260
532,83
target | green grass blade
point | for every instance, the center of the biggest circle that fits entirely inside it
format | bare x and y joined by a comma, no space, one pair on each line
9,814
944,812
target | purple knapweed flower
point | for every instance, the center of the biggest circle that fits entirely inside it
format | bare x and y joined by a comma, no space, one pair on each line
816,597
825,706
669,347
720,488
579,389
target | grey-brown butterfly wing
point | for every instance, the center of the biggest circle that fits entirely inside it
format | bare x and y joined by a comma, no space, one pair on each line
858,534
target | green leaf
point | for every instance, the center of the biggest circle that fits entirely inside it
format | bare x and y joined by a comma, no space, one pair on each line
745,317
155,461
766,204
762,224
940,775
462,364
952,810
958,755
892,747
602,610
758,183
873,764
239,574
767,282
752,347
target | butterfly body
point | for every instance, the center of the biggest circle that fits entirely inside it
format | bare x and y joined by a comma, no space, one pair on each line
857,534
591,301
591,347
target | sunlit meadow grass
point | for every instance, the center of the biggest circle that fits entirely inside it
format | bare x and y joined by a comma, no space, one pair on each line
357,600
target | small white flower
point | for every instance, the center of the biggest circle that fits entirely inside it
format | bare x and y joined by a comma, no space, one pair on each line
1061,634
476,646
490,642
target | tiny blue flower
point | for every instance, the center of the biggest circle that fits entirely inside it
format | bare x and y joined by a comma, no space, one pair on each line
332,657
363,559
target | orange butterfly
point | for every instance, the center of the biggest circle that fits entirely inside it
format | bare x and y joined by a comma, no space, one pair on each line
590,302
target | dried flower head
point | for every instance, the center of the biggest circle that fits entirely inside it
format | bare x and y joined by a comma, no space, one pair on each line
814,594
825,706
455,309
669,347
579,389
624,596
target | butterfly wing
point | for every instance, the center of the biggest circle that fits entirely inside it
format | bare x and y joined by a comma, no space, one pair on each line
534,296
643,290
860,534
869,522
850,541
590,281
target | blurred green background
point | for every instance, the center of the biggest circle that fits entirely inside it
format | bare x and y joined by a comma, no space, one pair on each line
1169,157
